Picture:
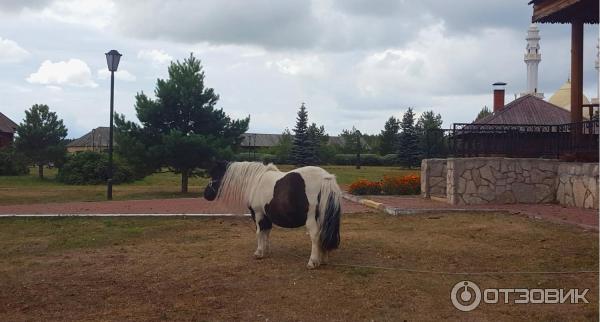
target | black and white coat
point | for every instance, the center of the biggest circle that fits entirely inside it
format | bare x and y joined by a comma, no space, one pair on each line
307,196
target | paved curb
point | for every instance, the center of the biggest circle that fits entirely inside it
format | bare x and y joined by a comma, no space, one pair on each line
400,211
415,211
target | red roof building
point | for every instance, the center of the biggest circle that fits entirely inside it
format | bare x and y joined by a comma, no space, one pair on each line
7,130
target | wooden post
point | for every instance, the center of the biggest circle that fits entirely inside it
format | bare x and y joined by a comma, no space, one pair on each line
576,71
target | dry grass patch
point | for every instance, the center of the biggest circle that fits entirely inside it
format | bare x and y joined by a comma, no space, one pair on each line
202,269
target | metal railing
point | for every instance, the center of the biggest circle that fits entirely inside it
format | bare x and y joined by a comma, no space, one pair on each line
574,141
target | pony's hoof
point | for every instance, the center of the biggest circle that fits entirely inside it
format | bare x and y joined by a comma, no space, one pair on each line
312,264
259,254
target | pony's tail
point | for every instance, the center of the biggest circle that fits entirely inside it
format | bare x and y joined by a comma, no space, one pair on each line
330,208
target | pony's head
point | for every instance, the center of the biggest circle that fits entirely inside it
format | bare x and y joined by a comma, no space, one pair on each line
216,176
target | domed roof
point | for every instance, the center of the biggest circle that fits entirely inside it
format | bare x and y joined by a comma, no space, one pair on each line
562,97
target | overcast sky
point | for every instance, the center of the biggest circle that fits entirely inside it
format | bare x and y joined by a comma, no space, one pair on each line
353,62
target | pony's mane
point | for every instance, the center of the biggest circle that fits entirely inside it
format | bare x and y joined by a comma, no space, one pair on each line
240,180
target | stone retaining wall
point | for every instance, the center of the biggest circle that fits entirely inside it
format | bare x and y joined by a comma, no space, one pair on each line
511,180
433,177
578,185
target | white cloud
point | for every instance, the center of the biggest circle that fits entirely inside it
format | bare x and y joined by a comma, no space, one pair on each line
95,13
11,52
120,74
310,65
73,72
156,56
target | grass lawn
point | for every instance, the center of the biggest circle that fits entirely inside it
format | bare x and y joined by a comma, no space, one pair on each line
203,269
30,189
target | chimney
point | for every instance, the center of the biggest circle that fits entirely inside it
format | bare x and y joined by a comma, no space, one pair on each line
498,96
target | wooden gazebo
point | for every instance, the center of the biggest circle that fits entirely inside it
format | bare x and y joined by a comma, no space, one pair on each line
576,13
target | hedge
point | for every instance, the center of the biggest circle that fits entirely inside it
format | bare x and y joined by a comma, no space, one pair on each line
92,168
399,185
12,163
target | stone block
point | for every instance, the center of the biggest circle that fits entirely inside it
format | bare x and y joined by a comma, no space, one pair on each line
471,188
476,176
524,193
473,200
588,202
486,193
462,185
543,193
579,191
486,174
506,197
467,175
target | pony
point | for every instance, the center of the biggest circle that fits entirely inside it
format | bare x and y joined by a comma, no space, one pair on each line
307,196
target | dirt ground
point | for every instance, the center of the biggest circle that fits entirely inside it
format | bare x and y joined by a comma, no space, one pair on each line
202,269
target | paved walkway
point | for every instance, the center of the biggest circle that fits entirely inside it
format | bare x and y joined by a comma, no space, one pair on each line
586,218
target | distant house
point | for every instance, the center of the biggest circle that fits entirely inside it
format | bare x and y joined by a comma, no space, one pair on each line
95,140
7,130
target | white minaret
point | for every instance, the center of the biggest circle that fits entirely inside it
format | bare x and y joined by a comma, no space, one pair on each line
533,56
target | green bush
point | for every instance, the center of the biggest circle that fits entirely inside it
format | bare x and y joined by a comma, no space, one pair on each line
365,159
92,168
258,157
389,159
12,163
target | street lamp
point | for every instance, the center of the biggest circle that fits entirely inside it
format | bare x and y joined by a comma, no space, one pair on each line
112,60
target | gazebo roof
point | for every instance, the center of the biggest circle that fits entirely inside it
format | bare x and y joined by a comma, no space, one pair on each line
565,11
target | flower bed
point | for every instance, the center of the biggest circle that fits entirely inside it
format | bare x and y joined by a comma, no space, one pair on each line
399,185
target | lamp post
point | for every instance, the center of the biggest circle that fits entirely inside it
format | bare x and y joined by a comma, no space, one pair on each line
112,60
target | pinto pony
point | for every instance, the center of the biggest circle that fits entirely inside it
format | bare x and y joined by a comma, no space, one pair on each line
305,196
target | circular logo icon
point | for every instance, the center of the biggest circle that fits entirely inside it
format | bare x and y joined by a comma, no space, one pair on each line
465,296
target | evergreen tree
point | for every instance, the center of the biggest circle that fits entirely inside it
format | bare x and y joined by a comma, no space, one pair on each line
303,150
353,143
319,140
485,111
41,137
389,136
408,143
182,128
431,138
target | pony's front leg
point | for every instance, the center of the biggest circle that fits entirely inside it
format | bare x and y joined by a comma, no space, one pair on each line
263,229
316,254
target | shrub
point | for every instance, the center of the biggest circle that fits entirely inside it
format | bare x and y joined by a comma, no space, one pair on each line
92,168
401,185
350,159
365,187
258,157
405,185
12,163
389,159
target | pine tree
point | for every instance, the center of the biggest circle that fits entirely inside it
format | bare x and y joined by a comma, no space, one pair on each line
41,137
181,128
408,143
485,111
318,139
431,138
302,152
389,136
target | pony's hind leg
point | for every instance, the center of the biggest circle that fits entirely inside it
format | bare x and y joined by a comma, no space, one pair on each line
316,254
263,229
